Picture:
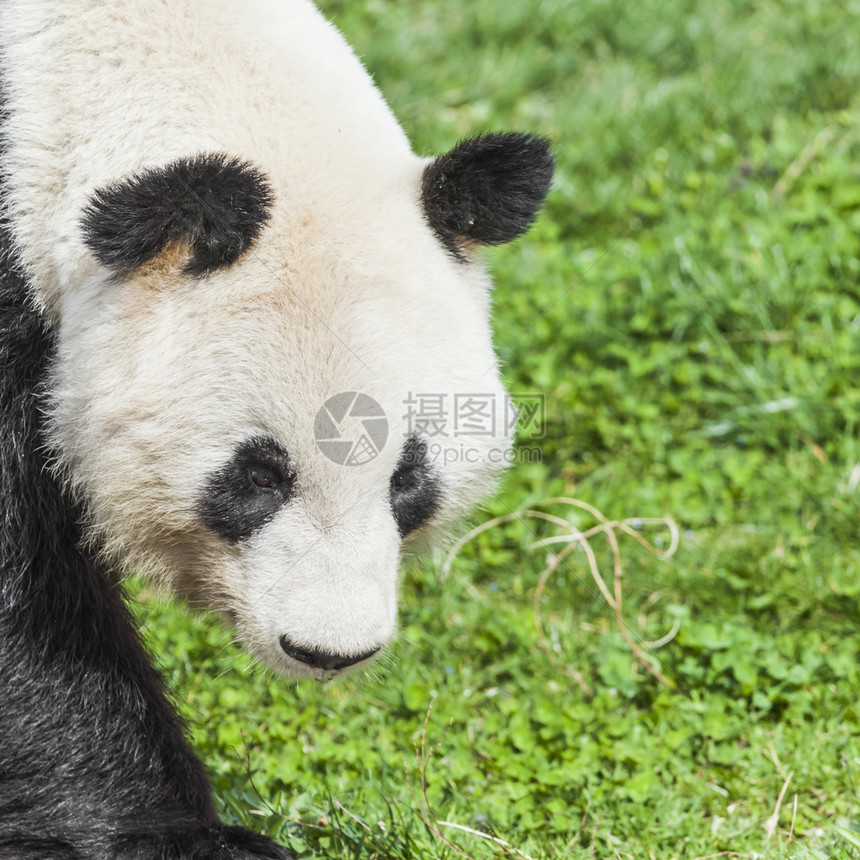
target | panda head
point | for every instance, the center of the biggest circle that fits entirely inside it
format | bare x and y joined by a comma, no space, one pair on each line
257,389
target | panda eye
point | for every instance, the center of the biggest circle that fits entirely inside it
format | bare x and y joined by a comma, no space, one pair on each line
263,478
402,478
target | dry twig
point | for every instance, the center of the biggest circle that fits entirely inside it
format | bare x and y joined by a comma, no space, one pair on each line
574,538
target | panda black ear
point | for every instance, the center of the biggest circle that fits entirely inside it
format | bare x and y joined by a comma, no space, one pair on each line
215,203
487,189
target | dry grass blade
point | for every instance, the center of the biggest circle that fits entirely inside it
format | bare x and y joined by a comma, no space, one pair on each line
422,804
773,822
509,849
434,826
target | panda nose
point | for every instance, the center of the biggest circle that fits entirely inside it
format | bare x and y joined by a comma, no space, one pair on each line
322,659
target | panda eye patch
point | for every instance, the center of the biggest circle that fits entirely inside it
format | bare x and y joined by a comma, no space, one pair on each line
248,490
415,493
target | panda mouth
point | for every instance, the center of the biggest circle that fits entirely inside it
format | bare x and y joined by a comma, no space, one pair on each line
316,658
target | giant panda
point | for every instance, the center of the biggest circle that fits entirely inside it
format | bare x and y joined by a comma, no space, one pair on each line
216,244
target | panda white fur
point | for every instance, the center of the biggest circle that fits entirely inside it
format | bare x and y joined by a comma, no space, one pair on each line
212,224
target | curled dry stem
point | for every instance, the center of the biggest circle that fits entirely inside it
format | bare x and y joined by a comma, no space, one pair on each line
574,538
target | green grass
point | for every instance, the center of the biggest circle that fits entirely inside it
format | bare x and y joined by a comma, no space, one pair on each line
690,305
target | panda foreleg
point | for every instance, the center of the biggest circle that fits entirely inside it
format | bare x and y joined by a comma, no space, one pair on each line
223,843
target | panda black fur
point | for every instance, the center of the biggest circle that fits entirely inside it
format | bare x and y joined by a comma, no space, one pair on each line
93,760
209,226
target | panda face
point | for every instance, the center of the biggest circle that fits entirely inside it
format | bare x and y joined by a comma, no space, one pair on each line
187,408
221,247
